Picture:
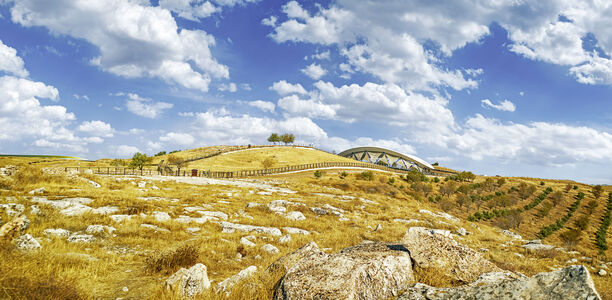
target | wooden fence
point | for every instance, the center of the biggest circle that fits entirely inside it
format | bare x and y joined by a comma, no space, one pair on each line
244,173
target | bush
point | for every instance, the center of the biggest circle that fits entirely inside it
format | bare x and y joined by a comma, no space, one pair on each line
436,179
170,261
365,175
343,174
582,222
318,173
545,210
391,181
542,183
267,163
571,238
550,229
600,236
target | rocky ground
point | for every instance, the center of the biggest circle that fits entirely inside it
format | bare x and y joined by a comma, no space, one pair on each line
164,237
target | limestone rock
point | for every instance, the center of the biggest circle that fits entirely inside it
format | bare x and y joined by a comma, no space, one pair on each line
161,216
295,215
105,210
227,284
284,263
100,230
81,238
75,209
285,239
56,232
27,243
573,282
14,228
215,214
270,249
190,229
12,209
156,228
142,184
35,210
120,218
430,249
188,283
512,234
94,184
228,227
293,230
602,272
461,231
366,271
37,191
537,245
246,242
319,211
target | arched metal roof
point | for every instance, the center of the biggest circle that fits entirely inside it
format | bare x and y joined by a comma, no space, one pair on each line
384,153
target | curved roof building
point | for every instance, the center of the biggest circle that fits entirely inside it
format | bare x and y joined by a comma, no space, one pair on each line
387,157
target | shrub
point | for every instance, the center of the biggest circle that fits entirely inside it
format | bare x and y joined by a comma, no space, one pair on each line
318,173
550,229
582,222
542,183
171,260
365,175
575,187
591,206
391,181
571,238
600,236
343,174
267,163
545,210
436,179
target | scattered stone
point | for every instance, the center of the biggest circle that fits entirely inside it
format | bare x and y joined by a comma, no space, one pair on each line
409,222
161,216
227,284
105,210
81,238
253,204
35,210
15,227
285,239
270,249
155,228
94,184
572,261
37,191
461,231
56,232
293,230
602,272
12,209
121,218
573,282
367,271
188,283
228,227
154,187
125,289
378,227
200,220
100,230
246,242
193,229
319,211
512,234
431,249
216,214
142,184
537,245
277,209
27,243
295,216
75,209
483,250
238,256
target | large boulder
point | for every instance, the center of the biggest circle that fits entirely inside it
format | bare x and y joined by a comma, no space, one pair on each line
227,284
573,282
26,243
370,270
281,265
441,254
188,283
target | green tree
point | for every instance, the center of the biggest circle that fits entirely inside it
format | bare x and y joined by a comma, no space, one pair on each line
274,138
160,153
287,138
139,160
177,161
117,162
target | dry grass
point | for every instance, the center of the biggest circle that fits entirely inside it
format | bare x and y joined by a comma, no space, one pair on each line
142,259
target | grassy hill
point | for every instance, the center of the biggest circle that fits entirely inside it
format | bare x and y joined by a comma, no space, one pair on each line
142,257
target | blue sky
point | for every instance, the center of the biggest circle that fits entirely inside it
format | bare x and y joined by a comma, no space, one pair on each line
522,88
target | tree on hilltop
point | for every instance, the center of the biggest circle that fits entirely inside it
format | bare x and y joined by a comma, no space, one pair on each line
177,161
274,138
287,138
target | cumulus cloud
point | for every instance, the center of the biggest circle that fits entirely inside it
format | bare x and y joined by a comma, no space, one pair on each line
230,87
177,138
534,143
125,151
134,39
505,105
284,88
189,9
263,105
596,71
314,71
145,107
96,128
310,108
10,62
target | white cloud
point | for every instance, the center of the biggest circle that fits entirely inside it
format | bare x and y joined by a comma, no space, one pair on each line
79,97
136,131
294,10
126,151
325,55
10,62
231,87
190,9
245,86
145,107
505,105
314,71
310,108
270,21
596,71
177,138
263,105
134,39
284,88
538,143
96,128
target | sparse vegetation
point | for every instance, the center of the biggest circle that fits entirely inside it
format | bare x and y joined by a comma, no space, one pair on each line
318,174
600,236
550,229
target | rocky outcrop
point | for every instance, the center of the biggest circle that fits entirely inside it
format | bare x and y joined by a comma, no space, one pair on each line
228,227
367,271
430,249
537,245
188,283
14,228
26,243
227,284
573,282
